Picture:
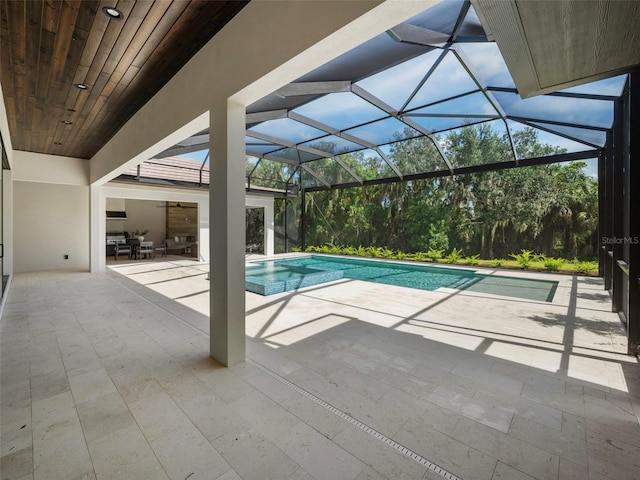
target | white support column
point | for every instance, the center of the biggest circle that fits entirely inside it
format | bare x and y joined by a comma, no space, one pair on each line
97,208
227,233
203,230
269,228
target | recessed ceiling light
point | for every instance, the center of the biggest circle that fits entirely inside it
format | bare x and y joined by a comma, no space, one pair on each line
112,12
67,122
81,86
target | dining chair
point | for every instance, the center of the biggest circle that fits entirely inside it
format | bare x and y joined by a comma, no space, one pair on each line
161,248
120,249
146,249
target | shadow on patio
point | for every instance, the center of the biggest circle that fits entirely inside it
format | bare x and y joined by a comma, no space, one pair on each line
509,386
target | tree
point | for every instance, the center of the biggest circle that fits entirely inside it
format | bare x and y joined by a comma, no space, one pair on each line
551,209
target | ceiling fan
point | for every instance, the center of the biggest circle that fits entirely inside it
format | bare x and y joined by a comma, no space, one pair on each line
177,205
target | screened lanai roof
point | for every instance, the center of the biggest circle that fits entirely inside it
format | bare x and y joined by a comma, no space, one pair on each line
437,73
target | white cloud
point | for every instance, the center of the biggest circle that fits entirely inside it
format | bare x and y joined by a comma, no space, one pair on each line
287,129
571,110
394,85
486,63
608,86
341,110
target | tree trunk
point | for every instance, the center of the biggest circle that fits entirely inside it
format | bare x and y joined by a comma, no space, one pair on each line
492,239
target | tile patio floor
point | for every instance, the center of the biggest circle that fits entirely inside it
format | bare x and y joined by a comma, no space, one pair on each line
108,377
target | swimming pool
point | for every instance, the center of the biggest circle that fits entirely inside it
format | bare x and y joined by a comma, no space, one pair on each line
268,278
277,276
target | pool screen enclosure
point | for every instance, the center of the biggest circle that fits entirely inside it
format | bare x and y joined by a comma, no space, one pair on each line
344,124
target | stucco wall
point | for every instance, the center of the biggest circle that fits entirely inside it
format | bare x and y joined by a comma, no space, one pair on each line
146,215
50,221
38,167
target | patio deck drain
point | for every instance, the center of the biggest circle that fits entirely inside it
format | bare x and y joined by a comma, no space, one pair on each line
362,426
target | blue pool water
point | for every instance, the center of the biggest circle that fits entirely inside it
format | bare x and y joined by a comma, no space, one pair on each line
277,276
268,278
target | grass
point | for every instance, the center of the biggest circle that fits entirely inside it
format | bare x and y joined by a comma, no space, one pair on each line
525,260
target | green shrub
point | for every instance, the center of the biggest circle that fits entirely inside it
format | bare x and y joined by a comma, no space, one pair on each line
554,264
421,256
434,254
374,252
586,268
472,260
524,258
335,249
454,257
380,252
361,251
348,250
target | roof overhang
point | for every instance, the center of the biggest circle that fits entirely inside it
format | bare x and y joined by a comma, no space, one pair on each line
549,46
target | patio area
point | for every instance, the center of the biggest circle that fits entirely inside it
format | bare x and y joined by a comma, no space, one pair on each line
347,380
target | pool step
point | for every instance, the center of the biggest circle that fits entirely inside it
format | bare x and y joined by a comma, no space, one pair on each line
463,283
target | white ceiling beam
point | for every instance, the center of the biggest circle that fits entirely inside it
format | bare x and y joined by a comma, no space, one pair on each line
407,33
259,117
312,88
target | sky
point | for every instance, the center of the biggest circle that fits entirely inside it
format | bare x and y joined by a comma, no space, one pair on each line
199,155
405,88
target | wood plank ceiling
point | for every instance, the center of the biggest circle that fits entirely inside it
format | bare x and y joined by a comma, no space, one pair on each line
47,47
